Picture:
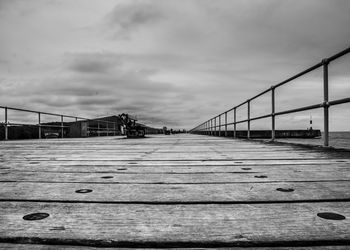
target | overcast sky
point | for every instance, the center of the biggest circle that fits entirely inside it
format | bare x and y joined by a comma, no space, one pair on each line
173,63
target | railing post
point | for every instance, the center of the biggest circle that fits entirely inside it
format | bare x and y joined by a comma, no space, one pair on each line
213,129
225,124
325,103
211,126
248,125
62,129
114,129
208,127
215,126
6,127
98,128
219,125
273,118
39,124
88,127
234,123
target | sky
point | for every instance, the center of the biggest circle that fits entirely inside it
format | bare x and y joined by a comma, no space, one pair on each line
173,63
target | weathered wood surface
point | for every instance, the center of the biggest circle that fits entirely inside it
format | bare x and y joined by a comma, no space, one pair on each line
5,246
179,167
168,225
172,191
236,177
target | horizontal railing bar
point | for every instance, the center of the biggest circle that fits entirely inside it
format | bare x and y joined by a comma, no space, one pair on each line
93,120
51,126
94,128
261,117
229,110
316,66
299,74
41,124
340,54
315,106
44,113
44,125
260,94
230,123
239,105
104,131
276,86
54,114
339,101
35,125
100,127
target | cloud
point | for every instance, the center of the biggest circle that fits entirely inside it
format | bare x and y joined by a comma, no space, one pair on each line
169,62
131,16
91,63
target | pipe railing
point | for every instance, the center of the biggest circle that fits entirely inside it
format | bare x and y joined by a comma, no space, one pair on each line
102,127
208,128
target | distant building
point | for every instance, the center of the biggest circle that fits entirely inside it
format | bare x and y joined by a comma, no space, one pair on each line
103,126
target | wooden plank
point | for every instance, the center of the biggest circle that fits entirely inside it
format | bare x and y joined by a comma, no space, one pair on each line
154,148
181,225
237,177
231,208
156,193
179,156
157,149
108,150
62,146
106,143
160,163
179,168
10,246
155,145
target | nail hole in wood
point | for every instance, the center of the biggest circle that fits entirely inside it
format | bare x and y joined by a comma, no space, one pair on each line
107,177
260,176
331,216
83,191
285,189
36,216
246,168
61,228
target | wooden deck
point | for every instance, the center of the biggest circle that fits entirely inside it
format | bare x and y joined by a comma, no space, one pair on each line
172,191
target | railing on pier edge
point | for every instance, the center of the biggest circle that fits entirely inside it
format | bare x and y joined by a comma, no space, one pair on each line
103,126
210,126
94,126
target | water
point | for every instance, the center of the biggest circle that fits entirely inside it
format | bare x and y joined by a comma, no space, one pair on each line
336,140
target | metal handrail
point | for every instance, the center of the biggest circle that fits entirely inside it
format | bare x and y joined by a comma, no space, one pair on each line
107,129
207,127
